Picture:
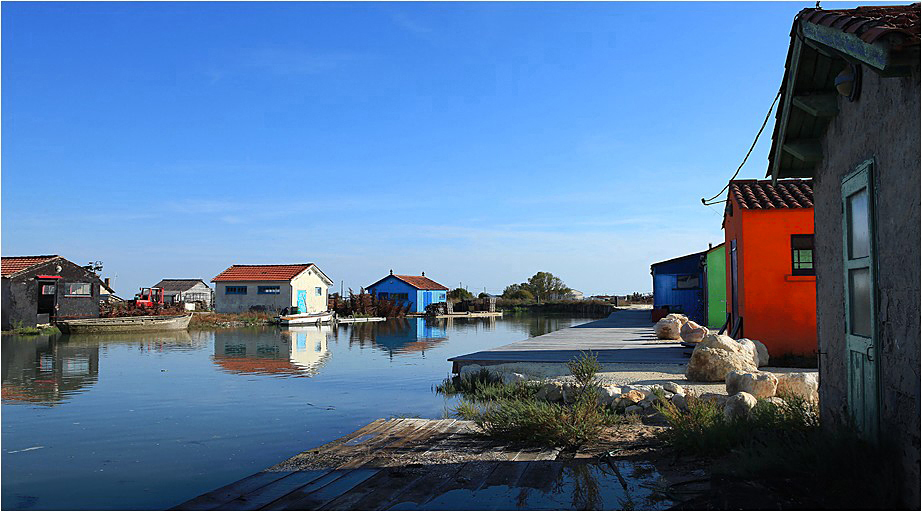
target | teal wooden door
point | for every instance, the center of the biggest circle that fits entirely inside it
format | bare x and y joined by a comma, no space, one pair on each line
302,301
860,299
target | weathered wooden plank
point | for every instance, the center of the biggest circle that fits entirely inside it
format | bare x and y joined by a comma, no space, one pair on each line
222,495
322,491
275,490
806,150
530,454
377,490
402,433
423,489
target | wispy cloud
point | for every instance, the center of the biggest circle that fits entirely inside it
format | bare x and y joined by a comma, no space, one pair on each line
410,24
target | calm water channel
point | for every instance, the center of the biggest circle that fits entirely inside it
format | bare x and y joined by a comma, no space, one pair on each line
146,421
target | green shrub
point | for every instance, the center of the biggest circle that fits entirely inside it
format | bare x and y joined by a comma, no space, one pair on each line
548,424
703,430
512,411
485,386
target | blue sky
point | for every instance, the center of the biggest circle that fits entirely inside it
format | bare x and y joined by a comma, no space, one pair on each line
478,142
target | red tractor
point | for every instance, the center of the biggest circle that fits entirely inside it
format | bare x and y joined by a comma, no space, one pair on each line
148,298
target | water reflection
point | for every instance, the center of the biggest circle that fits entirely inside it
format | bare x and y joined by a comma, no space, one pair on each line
551,485
42,371
298,351
397,335
46,370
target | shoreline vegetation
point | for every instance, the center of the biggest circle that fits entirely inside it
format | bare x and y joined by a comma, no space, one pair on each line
776,457
45,330
589,308
515,411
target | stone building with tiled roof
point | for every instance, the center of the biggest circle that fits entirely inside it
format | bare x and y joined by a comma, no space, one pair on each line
271,288
419,291
44,289
848,118
186,290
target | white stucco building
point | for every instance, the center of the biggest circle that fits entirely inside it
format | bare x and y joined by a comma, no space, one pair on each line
271,288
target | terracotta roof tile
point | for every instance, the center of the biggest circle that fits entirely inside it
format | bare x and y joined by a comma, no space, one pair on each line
262,272
870,23
13,264
418,282
762,195
421,282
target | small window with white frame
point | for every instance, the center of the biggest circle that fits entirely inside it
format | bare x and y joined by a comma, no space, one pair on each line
318,291
78,290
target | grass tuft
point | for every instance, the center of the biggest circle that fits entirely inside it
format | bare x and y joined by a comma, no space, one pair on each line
485,386
512,411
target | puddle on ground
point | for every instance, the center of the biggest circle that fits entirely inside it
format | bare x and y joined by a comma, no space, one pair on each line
551,485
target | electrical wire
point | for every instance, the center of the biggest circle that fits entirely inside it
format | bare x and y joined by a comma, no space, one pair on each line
707,202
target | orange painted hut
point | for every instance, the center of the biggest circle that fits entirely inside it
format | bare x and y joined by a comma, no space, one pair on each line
771,282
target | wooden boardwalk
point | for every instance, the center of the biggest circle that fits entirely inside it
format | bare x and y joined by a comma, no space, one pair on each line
429,465
626,336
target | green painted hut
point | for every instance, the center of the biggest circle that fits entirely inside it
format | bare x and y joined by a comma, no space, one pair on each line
716,276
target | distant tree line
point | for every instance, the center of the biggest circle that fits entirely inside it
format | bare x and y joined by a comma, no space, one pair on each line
542,286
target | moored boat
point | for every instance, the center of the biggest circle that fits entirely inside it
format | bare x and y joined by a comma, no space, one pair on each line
125,323
324,317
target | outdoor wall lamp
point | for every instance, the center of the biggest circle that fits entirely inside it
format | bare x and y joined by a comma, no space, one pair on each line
848,82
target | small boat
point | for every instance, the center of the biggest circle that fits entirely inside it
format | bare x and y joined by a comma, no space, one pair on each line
125,323
306,318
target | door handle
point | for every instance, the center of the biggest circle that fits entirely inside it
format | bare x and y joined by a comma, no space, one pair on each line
867,353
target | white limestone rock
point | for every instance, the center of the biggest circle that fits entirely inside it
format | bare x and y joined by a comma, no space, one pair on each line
739,405
633,396
758,384
672,387
679,401
761,351
553,392
717,356
608,394
801,384
668,329
514,378
681,318
692,332
776,401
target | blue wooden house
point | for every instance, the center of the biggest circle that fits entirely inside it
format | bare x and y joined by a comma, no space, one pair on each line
679,286
419,291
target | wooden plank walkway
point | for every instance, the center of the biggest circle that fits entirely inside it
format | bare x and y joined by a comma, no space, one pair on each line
388,462
626,336
417,464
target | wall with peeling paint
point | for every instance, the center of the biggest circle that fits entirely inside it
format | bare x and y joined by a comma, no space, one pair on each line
883,124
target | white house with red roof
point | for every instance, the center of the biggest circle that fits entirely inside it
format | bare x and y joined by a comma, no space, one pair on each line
419,291
271,288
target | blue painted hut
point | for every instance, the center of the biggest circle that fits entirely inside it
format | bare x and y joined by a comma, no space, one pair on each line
679,286
419,291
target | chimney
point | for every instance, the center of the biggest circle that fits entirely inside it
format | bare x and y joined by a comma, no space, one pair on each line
424,274
106,281
392,271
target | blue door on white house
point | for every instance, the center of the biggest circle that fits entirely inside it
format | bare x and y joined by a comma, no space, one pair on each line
302,301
